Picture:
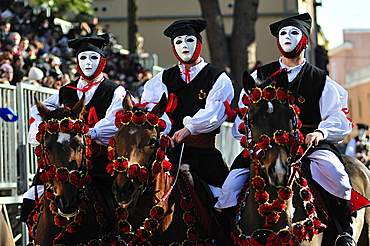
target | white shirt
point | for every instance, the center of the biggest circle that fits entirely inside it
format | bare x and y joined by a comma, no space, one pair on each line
103,129
334,125
205,120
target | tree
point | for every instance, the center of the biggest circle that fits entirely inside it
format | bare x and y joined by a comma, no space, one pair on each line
132,26
61,7
233,56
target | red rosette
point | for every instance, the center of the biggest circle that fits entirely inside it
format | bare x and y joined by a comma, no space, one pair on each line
151,224
79,218
98,208
121,213
66,125
111,153
269,93
88,141
160,155
112,142
73,227
279,205
246,154
42,128
298,230
303,181
50,195
88,152
53,208
310,208
306,194
265,209
281,137
43,176
52,126
164,141
300,138
192,234
152,119
263,237
41,163
241,112
157,212
117,121
51,172
134,170
264,142
261,196
139,118
242,129
61,174
244,141
60,221
39,137
144,234
258,153
156,167
299,124
285,193
126,117
119,113
74,177
39,151
284,236
189,218
256,95
161,125
167,166
246,101
296,109
186,205
282,95
80,127
143,175
258,182
317,224
120,164
272,219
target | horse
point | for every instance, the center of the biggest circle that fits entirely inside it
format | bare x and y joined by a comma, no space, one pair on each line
277,205
157,203
71,211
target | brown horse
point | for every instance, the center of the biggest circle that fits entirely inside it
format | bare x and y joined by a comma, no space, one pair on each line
70,212
158,205
277,205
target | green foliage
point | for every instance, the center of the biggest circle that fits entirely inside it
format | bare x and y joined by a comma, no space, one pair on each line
60,8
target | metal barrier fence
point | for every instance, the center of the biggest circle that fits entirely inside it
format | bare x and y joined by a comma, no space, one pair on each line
18,163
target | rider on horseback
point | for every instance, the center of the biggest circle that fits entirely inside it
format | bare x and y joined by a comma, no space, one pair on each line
322,102
102,98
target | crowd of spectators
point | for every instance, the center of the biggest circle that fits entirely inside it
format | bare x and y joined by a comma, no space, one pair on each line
34,49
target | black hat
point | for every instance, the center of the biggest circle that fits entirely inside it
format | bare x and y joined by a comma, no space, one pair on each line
186,27
362,126
302,21
90,43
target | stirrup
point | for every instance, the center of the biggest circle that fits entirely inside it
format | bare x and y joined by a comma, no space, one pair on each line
345,234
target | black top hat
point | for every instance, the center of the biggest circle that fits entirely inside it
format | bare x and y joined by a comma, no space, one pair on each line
90,43
186,27
302,21
362,126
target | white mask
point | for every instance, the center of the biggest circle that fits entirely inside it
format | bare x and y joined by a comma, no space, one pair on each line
88,62
289,38
185,46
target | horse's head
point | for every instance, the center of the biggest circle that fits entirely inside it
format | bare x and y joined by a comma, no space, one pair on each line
272,121
136,145
63,155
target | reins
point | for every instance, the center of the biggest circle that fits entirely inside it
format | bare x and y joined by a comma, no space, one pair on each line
296,165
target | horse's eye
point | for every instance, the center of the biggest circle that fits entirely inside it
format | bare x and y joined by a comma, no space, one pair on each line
80,147
152,142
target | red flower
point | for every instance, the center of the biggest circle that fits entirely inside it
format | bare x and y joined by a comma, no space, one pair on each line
306,194
66,125
258,182
42,128
279,205
60,221
298,230
256,95
189,218
272,219
121,164
246,100
192,234
164,142
123,226
40,163
264,142
246,153
152,119
157,212
265,209
261,196
241,112
61,174
43,176
126,117
167,166
160,155
242,129
51,172
143,175
151,224
269,93
282,95
110,168
121,213
281,137
52,126
134,170
156,167
284,236
38,151
285,193
186,205
244,142
161,125
139,118
80,127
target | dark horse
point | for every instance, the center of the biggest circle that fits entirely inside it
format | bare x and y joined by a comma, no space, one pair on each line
277,205
70,212
158,205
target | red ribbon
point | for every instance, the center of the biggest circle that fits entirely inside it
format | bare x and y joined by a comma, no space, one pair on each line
171,104
229,111
92,118
86,87
186,72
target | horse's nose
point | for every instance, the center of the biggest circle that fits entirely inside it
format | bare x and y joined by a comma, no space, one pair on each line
67,206
123,194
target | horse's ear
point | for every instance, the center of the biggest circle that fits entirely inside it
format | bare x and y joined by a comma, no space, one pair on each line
161,106
79,108
248,82
127,102
43,110
282,79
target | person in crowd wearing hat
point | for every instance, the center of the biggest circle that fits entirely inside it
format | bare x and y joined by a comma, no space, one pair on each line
359,146
6,73
321,101
197,93
103,98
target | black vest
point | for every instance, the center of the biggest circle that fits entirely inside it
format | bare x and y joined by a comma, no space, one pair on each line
308,85
101,99
190,99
